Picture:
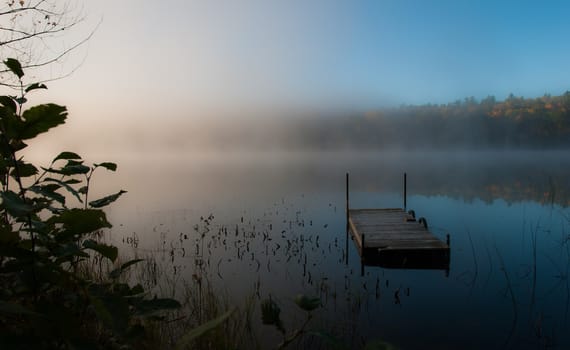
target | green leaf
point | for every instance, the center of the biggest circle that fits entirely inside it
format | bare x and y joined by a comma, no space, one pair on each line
130,263
50,187
72,181
108,251
24,170
197,332
65,184
81,221
68,251
117,272
307,303
14,204
18,145
270,312
40,119
74,169
106,200
137,289
11,124
15,67
49,192
35,86
107,165
66,155
9,103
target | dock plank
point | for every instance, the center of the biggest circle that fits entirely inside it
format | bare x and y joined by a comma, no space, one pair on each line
394,233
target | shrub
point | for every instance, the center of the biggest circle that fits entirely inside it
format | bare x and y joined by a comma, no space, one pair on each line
46,300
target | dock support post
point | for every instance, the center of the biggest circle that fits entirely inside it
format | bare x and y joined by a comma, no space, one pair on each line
448,242
405,192
362,256
347,217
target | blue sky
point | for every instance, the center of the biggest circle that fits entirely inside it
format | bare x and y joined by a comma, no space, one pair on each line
184,58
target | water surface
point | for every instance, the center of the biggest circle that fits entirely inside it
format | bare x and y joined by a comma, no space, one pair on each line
277,227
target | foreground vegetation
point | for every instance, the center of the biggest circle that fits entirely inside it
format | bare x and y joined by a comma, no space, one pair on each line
49,297
63,287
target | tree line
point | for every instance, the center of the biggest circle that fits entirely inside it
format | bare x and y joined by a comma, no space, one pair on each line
516,122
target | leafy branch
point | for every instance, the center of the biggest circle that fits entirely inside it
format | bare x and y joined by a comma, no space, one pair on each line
44,301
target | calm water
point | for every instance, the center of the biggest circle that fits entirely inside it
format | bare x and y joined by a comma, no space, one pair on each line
278,229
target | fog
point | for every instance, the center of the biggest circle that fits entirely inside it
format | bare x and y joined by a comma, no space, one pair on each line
409,128
327,75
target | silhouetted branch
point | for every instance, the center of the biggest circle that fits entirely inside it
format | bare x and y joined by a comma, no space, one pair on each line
29,30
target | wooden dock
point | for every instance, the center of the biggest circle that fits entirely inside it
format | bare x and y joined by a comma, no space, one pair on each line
393,238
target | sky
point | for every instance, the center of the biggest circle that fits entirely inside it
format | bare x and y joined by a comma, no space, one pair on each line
184,59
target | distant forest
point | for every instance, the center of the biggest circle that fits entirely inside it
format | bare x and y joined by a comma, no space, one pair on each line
517,122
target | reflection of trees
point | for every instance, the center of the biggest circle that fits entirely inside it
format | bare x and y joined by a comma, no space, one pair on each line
511,193
489,192
540,177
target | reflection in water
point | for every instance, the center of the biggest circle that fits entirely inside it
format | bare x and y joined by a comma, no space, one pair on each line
278,228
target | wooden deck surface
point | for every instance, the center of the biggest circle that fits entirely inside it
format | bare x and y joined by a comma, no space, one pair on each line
394,233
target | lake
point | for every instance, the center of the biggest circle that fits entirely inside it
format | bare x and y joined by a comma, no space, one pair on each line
273,224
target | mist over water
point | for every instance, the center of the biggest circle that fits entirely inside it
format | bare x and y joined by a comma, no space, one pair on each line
538,176
494,205
234,133
275,192
514,124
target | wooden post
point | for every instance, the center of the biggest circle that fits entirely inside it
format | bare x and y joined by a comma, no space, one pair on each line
448,241
362,257
405,192
347,218
347,203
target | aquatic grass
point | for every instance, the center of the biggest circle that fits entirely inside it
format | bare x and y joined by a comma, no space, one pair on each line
255,243
534,243
509,289
476,273
200,303
253,246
